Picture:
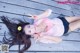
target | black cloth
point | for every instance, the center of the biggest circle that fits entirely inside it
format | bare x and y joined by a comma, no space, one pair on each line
65,23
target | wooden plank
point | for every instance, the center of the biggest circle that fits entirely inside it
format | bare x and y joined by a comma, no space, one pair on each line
21,16
76,14
52,3
24,52
46,52
75,6
76,11
13,17
3,28
37,7
24,11
72,36
39,2
63,46
58,52
16,11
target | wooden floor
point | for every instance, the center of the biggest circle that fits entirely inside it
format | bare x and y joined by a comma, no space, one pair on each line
20,9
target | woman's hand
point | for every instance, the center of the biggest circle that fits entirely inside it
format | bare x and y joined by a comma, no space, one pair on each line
33,16
36,37
41,27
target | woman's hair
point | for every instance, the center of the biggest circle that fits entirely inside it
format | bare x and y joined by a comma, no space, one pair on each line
17,36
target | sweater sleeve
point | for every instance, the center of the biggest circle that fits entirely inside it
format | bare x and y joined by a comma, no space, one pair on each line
44,38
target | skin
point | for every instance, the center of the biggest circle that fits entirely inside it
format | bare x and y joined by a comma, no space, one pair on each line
29,29
33,29
73,21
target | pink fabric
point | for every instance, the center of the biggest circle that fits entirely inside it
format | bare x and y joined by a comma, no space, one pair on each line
48,22
54,26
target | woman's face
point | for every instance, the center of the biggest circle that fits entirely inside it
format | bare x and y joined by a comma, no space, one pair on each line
29,29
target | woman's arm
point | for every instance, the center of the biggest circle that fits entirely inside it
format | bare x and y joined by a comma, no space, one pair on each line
44,14
54,39
49,39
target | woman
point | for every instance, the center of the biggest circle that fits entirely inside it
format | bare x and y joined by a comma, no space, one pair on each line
47,30
17,34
